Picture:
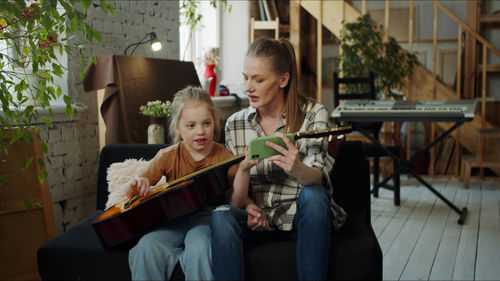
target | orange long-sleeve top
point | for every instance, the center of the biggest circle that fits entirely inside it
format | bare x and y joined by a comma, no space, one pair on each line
175,161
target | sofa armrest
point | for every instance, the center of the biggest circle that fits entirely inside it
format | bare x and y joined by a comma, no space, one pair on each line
119,152
350,178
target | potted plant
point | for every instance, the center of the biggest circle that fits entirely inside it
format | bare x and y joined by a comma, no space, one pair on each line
363,49
158,112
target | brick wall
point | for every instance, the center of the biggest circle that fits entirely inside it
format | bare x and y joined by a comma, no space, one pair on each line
73,145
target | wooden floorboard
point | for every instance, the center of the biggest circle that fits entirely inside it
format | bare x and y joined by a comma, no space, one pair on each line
421,239
488,246
443,264
465,260
421,260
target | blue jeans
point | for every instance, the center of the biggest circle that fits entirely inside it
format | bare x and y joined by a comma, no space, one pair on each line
311,228
185,239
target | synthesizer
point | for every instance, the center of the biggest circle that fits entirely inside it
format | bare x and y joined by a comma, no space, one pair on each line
411,111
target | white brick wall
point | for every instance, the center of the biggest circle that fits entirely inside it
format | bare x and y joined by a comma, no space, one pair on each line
73,146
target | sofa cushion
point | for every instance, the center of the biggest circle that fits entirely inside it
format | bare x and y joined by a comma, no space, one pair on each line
79,255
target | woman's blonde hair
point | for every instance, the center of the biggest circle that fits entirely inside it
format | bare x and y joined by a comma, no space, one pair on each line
183,97
282,57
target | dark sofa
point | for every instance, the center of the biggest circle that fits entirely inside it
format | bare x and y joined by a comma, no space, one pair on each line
355,253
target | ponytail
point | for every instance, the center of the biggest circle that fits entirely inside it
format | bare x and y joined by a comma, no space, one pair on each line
282,57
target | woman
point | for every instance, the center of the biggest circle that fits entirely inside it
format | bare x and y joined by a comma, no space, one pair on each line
289,192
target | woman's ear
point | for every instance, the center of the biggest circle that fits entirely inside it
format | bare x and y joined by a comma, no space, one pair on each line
284,78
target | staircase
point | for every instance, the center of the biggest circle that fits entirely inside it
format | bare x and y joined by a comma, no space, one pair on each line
422,83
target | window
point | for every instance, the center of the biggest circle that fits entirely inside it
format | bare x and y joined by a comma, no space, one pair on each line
205,36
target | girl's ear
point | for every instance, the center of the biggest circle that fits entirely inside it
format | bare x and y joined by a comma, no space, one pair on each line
284,78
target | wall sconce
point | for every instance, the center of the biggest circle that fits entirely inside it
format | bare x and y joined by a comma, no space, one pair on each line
156,44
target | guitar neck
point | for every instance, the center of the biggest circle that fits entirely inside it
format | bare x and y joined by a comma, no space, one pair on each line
323,133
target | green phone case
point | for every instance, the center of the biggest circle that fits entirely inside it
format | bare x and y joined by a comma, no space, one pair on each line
259,150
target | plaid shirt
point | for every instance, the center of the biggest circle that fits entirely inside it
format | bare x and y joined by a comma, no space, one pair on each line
271,188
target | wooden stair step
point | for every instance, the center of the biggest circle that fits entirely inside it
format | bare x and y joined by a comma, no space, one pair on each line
490,18
489,68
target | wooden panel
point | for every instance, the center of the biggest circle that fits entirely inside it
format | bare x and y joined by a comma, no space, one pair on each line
442,268
332,20
421,259
421,239
488,246
22,232
465,260
398,19
402,247
448,66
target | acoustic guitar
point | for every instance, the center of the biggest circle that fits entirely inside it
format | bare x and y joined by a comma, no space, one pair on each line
135,216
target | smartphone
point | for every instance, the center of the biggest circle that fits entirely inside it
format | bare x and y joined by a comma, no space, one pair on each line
259,150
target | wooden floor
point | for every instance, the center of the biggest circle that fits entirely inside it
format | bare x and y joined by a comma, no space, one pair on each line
421,239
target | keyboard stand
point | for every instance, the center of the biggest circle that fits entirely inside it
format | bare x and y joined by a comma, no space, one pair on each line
404,166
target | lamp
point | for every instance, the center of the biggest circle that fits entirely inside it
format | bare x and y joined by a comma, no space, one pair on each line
155,43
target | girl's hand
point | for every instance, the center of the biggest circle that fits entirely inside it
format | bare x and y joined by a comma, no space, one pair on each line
257,219
289,159
247,163
137,185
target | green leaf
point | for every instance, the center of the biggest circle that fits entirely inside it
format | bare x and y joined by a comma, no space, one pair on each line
47,121
74,24
40,163
67,100
94,60
26,50
85,5
44,148
97,35
27,204
42,176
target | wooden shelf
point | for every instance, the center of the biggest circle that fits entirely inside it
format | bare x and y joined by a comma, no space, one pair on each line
270,25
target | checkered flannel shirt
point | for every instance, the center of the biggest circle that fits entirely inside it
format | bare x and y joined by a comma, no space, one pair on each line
270,187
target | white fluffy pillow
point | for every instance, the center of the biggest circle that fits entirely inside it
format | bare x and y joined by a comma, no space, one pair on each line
119,174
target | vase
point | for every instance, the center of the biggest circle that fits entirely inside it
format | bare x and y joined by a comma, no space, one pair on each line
156,131
211,79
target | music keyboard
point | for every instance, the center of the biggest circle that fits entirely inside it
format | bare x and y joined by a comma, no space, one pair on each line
395,110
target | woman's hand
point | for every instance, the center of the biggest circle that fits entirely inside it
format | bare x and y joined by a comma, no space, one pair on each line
137,185
257,219
289,159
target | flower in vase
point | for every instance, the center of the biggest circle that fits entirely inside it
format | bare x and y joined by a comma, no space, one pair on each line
156,109
211,57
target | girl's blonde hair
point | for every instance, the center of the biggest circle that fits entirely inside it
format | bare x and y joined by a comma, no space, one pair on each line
282,57
183,97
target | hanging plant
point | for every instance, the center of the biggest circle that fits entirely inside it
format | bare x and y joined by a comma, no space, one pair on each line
363,49
33,35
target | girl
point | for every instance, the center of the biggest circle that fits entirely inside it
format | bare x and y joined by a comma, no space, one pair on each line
289,192
186,239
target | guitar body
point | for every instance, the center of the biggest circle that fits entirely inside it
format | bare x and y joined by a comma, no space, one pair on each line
204,188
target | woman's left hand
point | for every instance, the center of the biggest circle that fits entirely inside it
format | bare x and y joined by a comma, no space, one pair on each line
289,159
